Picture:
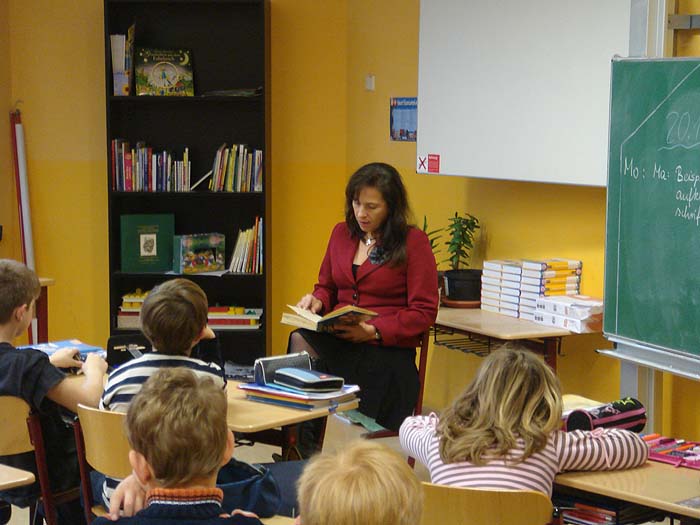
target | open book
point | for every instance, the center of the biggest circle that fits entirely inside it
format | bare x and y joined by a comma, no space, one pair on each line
347,315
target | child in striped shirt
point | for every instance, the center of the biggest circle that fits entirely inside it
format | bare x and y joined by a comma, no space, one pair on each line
503,432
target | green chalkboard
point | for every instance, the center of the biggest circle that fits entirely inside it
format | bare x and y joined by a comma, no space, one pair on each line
652,255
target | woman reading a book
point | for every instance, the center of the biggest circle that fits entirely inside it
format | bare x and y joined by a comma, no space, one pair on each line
374,260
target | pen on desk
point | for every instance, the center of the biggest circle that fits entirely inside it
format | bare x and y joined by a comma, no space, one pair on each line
651,437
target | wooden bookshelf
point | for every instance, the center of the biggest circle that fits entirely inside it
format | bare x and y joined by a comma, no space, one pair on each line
229,44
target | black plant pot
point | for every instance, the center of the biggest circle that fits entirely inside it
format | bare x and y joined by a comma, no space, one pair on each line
463,285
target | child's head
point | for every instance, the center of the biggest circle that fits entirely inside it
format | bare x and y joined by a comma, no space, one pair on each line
174,316
514,395
177,425
19,287
365,483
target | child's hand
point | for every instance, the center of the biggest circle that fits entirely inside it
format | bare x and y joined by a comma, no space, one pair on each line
66,358
130,495
94,364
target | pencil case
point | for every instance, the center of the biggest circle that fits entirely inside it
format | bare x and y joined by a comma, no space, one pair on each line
665,450
264,367
307,380
627,413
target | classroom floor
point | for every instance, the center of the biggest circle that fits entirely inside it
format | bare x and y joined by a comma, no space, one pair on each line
338,433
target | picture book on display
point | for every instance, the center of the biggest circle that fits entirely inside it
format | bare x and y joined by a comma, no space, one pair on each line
164,72
147,242
347,315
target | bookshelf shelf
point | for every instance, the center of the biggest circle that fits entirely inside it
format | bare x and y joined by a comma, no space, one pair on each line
229,45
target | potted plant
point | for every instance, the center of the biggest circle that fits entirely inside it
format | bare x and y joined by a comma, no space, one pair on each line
461,283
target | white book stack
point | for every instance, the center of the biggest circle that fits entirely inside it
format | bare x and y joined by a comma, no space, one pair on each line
500,286
542,278
576,313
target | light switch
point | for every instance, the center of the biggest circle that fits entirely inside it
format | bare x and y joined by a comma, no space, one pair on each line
369,83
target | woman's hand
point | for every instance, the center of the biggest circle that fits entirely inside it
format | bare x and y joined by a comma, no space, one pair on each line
309,302
66,358
357,333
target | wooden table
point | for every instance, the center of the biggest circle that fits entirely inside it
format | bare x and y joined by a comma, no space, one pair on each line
654,484
11,477
42,311
485,330
261,420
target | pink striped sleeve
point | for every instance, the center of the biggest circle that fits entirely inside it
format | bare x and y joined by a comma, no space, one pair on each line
416,434
600,449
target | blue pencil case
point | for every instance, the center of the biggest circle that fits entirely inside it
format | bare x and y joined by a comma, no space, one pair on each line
307,380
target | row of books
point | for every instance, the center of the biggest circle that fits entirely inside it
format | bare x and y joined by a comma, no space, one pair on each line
218,317
576,313
236,168
513,286
293,398
139,168
248,254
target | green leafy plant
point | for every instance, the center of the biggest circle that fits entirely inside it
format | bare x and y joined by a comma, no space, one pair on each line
434,237
461,231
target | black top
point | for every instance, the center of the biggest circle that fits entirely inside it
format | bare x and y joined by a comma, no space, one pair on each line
29,375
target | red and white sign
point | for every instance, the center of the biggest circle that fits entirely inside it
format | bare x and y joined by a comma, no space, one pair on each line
433,163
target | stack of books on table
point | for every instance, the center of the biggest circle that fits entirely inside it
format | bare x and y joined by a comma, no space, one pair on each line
513,286
234,318
500,286
293,398
576,313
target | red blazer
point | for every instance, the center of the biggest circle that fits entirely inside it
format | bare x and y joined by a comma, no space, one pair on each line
406,297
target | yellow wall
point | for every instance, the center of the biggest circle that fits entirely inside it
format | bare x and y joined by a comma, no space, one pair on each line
57,55
9,246
324,125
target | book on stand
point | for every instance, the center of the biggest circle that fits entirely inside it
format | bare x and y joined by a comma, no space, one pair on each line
347,315
147,242
164,72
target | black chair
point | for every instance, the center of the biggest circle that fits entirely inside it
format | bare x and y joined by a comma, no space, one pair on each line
125,347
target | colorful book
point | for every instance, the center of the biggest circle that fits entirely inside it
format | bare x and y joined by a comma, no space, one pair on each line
164,72
199,253
147,242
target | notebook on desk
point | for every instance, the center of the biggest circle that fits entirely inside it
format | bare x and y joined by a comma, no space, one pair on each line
52,347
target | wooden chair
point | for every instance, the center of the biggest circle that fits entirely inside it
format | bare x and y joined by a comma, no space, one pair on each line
455,505
418,408
101,442
21,432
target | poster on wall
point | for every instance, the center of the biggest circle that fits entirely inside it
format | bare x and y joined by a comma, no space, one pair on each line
403,118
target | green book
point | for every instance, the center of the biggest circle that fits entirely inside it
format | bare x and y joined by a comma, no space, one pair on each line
147,242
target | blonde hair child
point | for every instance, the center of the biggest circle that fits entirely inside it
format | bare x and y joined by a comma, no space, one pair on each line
364,483
502,432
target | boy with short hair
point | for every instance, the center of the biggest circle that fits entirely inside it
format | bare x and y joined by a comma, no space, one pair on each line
37,379
176,426
365,483
174,319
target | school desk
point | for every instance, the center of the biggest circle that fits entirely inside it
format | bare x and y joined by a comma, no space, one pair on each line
11,477
262,420
485,330
654,484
